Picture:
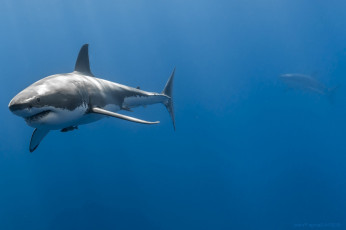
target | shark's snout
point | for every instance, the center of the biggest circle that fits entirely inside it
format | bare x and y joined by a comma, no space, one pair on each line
15,106
21,106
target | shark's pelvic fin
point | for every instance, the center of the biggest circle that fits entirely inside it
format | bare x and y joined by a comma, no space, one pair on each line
168,91
117,115
37,137
126,108
70,128
82,63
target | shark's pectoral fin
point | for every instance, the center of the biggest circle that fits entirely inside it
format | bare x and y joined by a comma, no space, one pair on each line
117,115
37,137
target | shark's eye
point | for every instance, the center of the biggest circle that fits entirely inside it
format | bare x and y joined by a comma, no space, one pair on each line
38,99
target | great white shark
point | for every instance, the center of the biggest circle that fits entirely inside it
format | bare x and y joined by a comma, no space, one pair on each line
65,101
308,83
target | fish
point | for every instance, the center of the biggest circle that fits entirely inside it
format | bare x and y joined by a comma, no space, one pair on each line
67,100
308,83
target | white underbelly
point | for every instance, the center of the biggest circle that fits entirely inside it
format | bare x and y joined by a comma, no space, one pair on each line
92,117
59,118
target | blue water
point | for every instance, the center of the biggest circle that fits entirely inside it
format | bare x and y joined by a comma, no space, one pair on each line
247,152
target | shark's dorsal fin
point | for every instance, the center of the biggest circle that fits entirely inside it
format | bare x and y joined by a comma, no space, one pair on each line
82,63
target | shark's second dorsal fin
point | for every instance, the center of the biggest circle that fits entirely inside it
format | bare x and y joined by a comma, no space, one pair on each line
82,63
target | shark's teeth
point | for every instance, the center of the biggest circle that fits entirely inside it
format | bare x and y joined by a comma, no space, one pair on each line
38,116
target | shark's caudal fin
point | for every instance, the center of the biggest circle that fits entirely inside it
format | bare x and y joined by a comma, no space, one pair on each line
37,137
168,91
82,63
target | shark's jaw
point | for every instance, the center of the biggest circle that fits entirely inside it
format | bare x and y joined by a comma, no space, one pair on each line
27,111
38,116
49,116
34,116
55,118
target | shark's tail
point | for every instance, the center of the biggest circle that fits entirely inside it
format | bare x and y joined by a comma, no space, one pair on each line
331,94
168,91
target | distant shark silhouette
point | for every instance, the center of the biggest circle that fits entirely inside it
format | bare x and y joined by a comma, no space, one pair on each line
308,83
65,101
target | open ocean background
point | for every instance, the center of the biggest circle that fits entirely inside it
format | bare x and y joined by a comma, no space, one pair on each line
247,152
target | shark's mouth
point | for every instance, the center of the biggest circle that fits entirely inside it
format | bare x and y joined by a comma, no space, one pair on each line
38,116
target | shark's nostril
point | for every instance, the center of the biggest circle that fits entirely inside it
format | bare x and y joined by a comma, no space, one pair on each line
14,107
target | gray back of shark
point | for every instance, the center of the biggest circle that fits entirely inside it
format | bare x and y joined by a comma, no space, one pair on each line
65,101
